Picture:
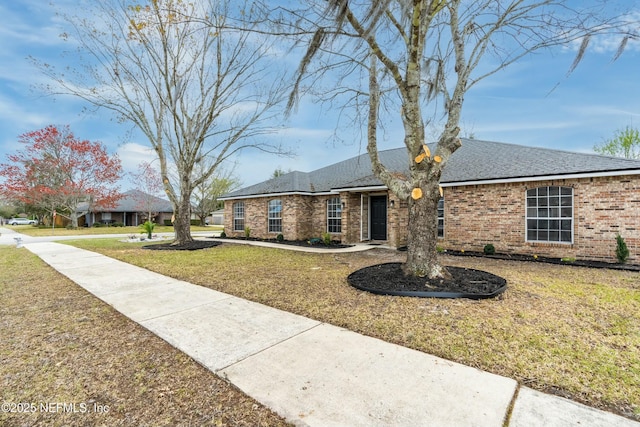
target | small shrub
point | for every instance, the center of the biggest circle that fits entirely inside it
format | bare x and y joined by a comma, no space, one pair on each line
280,237
98,224
117,224
223,235
622,252
440,249
168,223
489,249
148,227
195,222
247,232
326,238
568,259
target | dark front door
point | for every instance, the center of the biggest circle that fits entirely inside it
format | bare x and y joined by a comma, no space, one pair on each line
378,217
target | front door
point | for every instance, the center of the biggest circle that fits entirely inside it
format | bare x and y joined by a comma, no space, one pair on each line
378,217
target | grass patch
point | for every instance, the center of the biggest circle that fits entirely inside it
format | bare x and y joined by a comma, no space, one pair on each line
61,345
30,230
560,329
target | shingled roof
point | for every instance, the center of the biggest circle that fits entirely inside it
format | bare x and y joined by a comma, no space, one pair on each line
474,162
137,201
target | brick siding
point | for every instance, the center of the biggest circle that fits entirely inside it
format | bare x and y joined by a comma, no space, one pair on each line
475,215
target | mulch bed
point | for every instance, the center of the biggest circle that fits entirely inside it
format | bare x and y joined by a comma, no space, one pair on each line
548,260
191,246
304,243
389,279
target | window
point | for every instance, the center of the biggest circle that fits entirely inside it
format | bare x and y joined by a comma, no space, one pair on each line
441,217
275,216
106,216
550,214
334,215
238,216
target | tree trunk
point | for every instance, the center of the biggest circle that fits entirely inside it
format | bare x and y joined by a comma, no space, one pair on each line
182,223
422,257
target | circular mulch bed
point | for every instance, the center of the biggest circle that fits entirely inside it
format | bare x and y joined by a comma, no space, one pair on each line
191,246
389,279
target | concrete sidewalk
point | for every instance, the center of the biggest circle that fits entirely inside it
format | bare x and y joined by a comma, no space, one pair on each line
311,373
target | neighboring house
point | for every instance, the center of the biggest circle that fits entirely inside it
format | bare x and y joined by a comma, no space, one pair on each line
132,209
521,199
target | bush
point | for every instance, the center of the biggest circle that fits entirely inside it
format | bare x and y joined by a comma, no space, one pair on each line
117,224
489,249
98,224
195,222
326,238
622,252
247,232
223,235
280,237
148,228
168,223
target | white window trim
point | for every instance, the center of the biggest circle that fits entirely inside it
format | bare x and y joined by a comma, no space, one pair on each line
573,214
339,217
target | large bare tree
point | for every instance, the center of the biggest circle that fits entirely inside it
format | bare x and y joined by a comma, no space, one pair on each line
416,60
186,74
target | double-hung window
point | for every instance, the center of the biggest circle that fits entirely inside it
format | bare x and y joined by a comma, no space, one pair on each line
275,216
334,215
441,217
238,216
550,214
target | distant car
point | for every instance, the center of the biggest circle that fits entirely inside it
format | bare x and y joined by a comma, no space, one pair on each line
22,221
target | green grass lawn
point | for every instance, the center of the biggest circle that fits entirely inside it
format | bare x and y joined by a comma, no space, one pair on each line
561,329
48,231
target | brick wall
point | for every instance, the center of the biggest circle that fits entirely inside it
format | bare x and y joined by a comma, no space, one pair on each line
477,215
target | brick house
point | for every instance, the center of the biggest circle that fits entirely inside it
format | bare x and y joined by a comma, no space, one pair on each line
131,209
523,200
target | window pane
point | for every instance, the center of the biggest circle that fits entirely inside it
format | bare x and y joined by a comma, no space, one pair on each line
552,202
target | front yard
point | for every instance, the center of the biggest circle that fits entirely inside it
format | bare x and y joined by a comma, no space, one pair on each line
30,230
566,330
68,359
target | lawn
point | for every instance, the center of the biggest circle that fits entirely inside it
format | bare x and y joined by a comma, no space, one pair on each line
30,230
63,350
566,330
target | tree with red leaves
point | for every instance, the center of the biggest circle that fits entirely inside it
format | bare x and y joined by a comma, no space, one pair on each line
57,171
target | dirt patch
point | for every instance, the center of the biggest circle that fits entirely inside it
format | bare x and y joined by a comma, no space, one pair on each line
190,246
389,279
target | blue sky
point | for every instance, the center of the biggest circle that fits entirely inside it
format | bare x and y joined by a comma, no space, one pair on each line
518,105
